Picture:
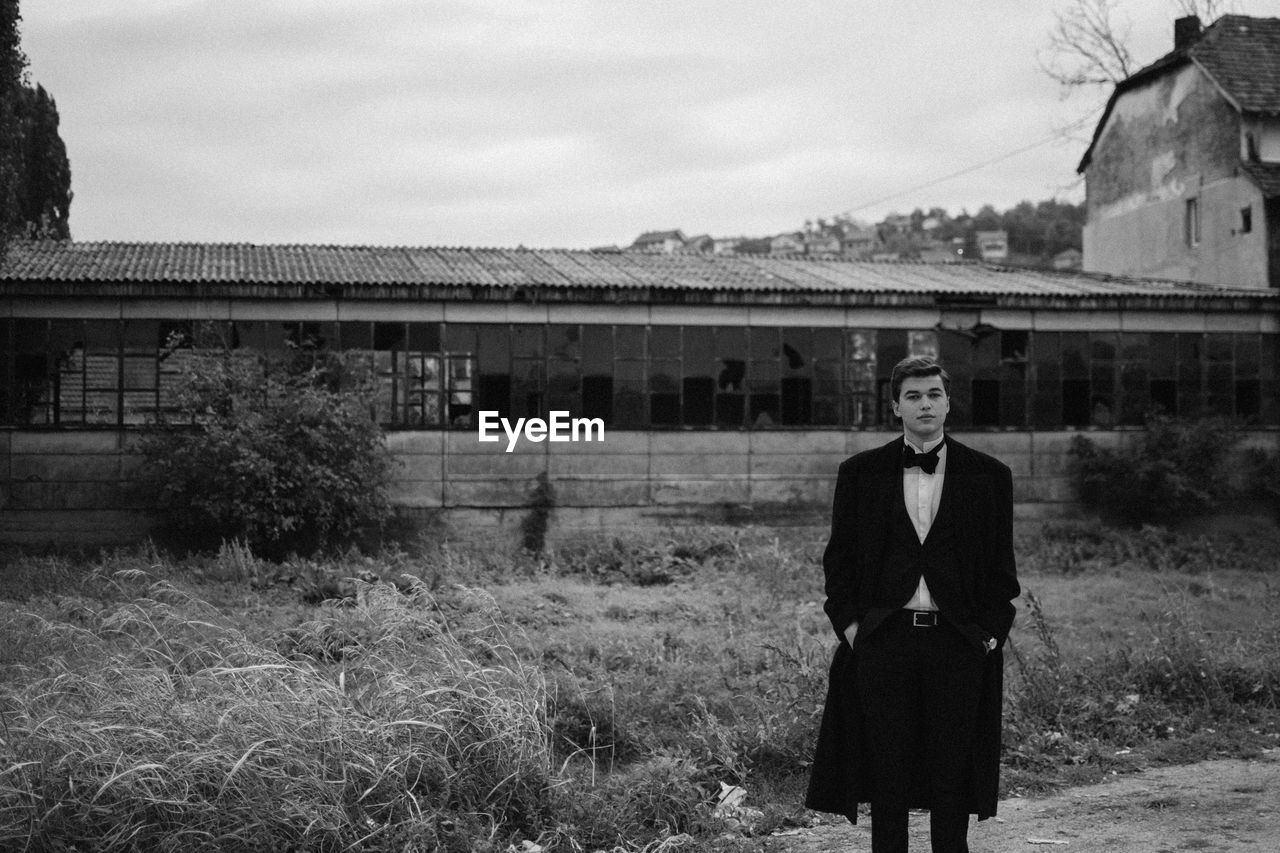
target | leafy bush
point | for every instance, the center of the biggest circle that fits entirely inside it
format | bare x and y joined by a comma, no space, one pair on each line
1264,479
1174,470
282,455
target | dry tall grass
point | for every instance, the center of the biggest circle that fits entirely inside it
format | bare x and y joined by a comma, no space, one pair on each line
380,726
596,699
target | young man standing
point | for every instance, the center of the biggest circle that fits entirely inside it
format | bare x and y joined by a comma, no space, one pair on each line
920,583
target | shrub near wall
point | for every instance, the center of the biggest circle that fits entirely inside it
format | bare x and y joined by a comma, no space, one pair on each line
284,455
1172,471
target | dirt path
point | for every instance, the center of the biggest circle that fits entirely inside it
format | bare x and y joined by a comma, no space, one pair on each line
1215,806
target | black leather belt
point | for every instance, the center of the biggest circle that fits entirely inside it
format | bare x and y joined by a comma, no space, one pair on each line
923,618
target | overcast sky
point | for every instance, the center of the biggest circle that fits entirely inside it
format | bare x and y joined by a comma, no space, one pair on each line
551,123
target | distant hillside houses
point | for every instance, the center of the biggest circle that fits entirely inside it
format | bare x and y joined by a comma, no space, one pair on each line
836,240
935,238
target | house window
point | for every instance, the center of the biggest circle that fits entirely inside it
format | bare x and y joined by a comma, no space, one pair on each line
1192,223
1246,219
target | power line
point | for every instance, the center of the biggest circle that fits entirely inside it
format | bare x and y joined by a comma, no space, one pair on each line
985,163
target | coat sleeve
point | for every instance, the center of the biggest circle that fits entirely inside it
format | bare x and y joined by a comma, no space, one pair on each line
839,560
1001,586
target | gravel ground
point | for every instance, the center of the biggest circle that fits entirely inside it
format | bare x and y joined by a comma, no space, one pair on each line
1225,806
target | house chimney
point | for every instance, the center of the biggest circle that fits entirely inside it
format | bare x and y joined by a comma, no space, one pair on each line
1186,32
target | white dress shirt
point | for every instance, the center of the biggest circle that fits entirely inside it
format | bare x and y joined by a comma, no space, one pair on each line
922,493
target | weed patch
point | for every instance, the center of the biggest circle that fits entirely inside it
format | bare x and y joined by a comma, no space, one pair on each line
170,724
1072,548
1160,698
599,697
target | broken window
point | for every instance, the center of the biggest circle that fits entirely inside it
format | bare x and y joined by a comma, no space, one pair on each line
597,372
1046,401
764,377
797,376
731,375
564,380
629,409
115,373
861,378
698,386
493,366
664,375
458,363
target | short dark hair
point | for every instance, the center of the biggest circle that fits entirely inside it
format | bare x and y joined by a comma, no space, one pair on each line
915,366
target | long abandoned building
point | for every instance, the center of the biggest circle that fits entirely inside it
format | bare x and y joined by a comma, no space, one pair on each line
729,387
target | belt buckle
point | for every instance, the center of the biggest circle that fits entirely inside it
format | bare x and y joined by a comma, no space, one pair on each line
923,619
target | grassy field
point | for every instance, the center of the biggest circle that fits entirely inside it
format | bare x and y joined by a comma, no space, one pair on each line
598,698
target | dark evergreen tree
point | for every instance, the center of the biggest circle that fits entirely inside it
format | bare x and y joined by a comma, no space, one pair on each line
44,185
12,63
987,219
1042,230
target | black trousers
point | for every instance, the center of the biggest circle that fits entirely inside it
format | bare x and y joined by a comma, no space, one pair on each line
919,689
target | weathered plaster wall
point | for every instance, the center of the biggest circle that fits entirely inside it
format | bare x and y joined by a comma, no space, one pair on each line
1150,240
1159,140
79,488
1172,140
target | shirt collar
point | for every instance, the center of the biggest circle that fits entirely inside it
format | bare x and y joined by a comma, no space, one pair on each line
928,445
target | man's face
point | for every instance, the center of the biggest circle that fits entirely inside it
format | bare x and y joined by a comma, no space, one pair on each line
923,405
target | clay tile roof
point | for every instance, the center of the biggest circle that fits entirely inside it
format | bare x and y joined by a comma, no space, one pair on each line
1242,55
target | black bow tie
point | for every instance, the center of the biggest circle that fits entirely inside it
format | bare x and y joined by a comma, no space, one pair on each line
928,462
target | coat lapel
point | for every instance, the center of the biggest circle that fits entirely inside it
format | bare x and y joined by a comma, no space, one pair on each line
886,478
954,484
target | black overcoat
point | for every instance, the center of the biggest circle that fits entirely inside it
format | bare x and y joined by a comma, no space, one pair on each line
974,526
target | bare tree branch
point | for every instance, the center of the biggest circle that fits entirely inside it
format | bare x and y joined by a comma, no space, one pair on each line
1208,11
1088,46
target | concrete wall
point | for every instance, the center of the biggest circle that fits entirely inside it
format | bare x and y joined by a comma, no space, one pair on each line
80,488
69,487
1171,140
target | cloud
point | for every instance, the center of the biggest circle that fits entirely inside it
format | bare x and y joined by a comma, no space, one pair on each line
543,122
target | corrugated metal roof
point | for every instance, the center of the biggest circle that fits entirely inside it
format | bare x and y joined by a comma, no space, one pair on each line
354,267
